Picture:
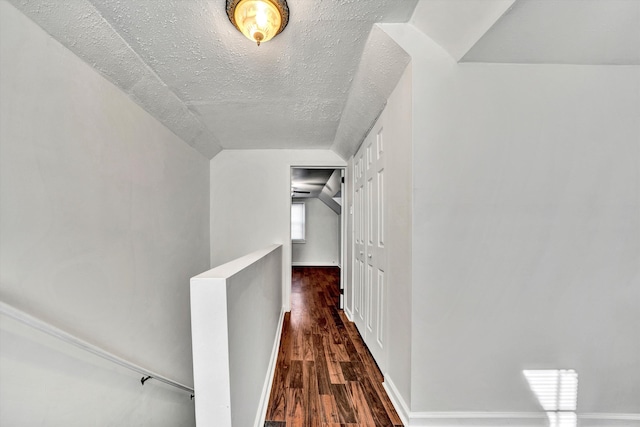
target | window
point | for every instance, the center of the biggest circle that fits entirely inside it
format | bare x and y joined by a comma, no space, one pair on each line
297,222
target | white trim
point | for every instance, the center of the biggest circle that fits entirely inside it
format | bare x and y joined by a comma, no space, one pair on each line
396,399
342,237
348,313
47,328
609,416
288,263
475,419
411,419
268,383
479,415
460,419
313,264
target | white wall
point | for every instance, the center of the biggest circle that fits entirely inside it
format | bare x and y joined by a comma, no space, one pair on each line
397,123
250,202
77,388
104,218
322,236
526,231
236,320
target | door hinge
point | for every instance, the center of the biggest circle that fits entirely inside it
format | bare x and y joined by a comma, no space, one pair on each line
342,179
342,291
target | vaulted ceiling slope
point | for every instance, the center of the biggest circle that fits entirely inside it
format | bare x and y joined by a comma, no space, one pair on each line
186,64
590,32
456,25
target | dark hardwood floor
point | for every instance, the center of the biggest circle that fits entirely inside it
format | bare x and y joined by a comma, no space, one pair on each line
325,376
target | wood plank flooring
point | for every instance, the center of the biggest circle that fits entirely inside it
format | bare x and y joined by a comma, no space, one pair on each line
325,375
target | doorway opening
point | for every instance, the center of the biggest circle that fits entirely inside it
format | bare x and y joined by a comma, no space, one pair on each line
317,220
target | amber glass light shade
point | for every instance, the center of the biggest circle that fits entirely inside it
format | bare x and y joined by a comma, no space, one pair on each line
258,20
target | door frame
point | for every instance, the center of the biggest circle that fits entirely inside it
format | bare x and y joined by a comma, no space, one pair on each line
343,227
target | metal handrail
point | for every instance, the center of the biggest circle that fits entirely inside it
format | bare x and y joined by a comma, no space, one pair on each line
49,329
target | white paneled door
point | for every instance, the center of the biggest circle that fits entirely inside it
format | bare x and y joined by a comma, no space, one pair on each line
359,246
369,240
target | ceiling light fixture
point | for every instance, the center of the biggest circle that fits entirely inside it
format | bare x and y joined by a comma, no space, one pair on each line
258,20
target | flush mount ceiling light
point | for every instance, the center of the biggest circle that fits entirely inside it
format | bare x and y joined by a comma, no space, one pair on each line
258,20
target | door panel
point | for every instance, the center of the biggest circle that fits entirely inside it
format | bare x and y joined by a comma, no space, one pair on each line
380,312
359,251
369,311
380,207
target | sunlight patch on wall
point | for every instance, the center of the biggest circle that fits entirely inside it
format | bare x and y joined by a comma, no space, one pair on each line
557,392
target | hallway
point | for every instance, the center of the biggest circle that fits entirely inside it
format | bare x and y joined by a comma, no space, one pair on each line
325,376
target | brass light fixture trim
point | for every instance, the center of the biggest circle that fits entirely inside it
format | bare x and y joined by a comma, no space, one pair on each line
258,20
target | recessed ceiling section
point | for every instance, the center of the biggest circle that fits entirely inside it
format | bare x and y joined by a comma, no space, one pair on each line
591,32
307,183
323,184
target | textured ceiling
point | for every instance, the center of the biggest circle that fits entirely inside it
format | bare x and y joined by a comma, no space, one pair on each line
324,80
184,62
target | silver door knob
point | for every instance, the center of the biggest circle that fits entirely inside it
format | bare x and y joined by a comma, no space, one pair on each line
369,255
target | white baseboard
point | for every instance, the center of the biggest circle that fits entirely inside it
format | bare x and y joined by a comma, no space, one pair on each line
510,419
477,419
494,419
348,313
608,420
398,402
313,264
268,382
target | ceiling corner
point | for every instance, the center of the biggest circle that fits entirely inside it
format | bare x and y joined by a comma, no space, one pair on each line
457,25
